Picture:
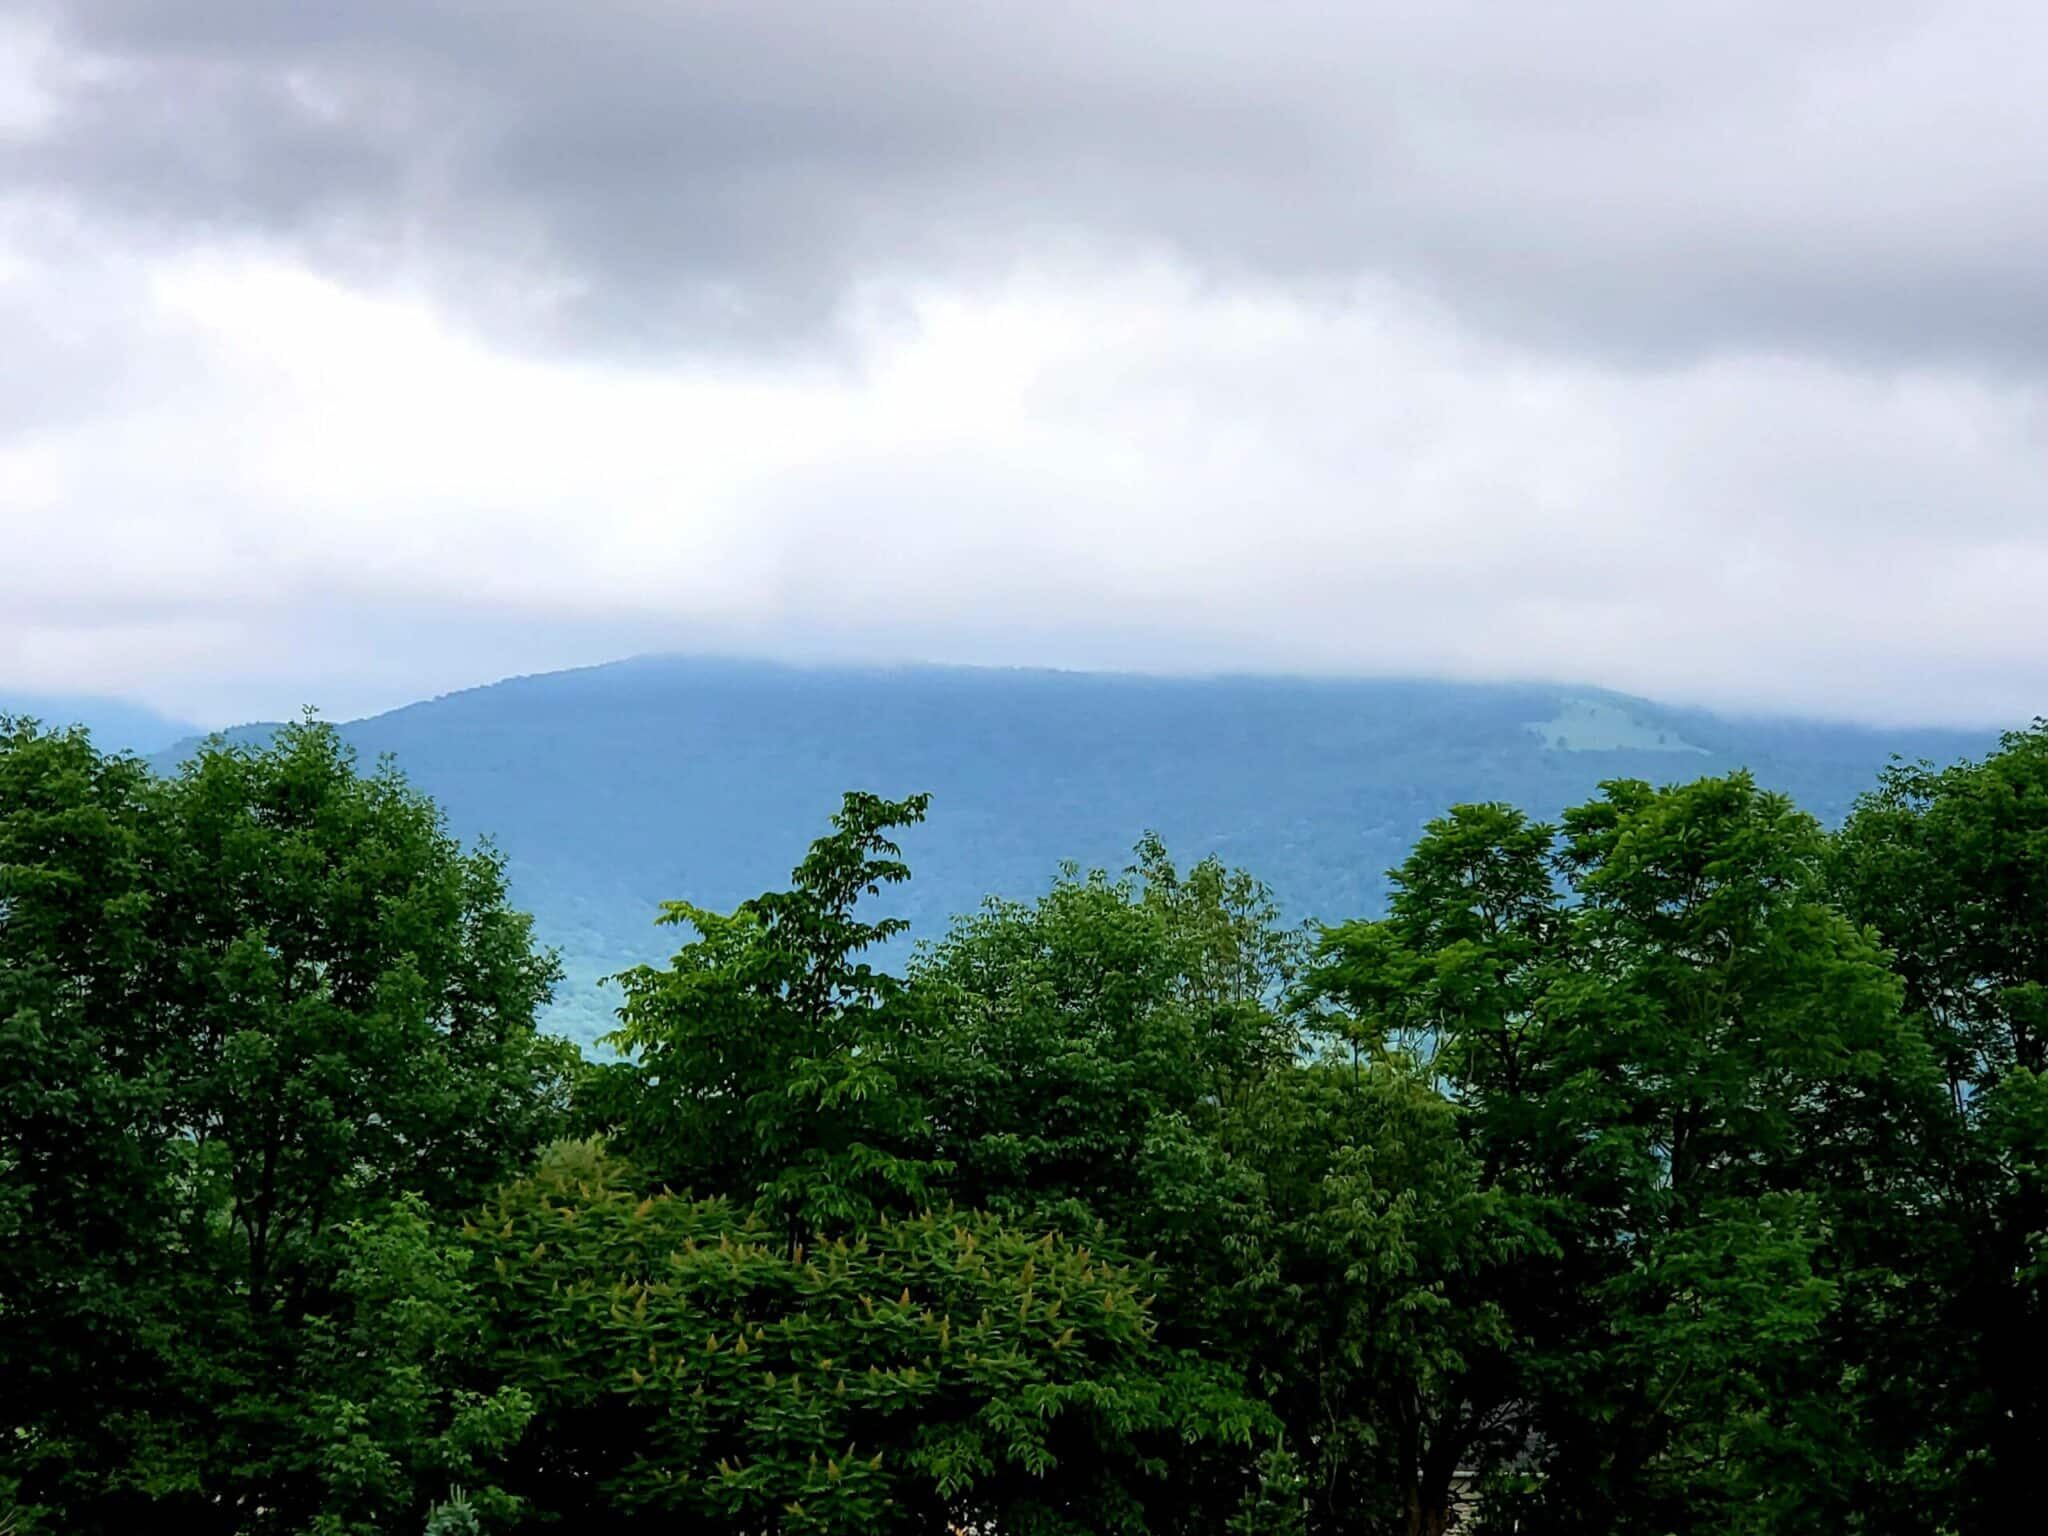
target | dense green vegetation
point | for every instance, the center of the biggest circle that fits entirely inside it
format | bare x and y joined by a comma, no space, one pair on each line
613,788
1671,1164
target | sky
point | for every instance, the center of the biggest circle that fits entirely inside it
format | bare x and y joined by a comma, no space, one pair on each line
354,353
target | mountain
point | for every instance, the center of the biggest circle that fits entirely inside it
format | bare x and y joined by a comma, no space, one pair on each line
116,724
613,788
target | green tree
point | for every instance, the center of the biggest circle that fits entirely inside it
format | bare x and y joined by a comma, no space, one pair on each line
1074,1028
1691,1073
280,997
1367,1298
821,1110
1749,1069
385,1425
1450,988
1120,1061
1950,867
89,1162
687,1361
1674,1168
354,1000
769,1056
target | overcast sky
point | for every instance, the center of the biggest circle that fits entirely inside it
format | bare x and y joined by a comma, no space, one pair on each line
353,352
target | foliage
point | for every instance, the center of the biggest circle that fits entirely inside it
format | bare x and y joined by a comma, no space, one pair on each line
244,1009
354,1000
380,1423
768,1053
1073,1029
1668,1165
1367,1288
1674,1059
89,1171
1950,867
689,1362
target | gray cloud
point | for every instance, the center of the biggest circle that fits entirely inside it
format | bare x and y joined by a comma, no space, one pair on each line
360,351
1868,181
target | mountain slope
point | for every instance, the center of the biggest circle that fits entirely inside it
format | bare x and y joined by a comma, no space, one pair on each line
613,788
116,724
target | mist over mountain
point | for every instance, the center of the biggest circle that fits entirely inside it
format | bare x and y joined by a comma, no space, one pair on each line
614,788
114,723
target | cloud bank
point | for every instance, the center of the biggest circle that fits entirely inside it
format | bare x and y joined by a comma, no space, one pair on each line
360,352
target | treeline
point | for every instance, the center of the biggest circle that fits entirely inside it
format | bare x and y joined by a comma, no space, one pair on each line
1675,1168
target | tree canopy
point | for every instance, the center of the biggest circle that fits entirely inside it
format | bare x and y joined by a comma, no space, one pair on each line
1675,1165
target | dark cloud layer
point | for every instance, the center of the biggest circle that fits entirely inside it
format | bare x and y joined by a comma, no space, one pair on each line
1863,180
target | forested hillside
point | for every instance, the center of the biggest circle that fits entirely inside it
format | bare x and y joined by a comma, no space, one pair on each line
613,788
1675,1166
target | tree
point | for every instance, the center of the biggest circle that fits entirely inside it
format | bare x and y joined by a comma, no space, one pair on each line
354,1000
1120,1057
1950,868
769,1056
1692,1075
388,1420
1074,1028
836,1126
89,1161
1367,1296
1737,1051
1619,1177
1449,990
687,1361
279,997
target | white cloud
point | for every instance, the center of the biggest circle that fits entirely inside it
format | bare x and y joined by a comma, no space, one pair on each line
355,352
262,483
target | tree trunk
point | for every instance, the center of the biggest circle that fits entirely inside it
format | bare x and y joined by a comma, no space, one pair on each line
1429,1512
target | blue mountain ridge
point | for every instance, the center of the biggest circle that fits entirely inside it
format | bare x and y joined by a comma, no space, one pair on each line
613,788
